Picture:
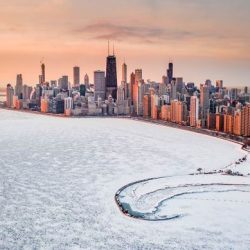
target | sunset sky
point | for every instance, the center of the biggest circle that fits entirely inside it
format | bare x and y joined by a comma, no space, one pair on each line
204,38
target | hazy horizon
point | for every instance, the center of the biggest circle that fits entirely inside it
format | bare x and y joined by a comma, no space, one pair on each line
205,39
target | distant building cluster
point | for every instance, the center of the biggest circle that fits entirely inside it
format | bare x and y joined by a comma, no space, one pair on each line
210,106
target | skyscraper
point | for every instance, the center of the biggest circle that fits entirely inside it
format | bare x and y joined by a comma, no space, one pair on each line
179,84
245,90
19,86
82,89
237,126
170,72
26,91
99,83
86,81
131,84
208,82
76,73
173,90
63,83
124,72
178,111
42,79
140,95
111,77
124,83
204,99
9,96
194,111
219,84
246,120
138,75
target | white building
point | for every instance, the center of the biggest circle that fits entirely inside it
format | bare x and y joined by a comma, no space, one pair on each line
68,103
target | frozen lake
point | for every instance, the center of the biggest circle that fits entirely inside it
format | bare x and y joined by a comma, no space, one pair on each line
58,178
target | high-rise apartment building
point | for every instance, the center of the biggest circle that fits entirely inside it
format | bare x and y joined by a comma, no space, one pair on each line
82,89
9,96
228,123
179,85
234,93
211,120
246,120
208,83
138,75
219,84
194,111
68,106
166,112
141,92
76,74
135,96
245,90
68,103
99,83
173,90
131,84
19,86
204,100
174,110
26,91
44,105
124,72
219,122
147,106
86,81
178,111
237,127
124,87
63,83
154,105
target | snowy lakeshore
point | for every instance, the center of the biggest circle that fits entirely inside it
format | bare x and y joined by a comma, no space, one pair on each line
58,178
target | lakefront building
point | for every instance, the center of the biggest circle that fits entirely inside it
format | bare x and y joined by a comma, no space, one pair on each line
111,77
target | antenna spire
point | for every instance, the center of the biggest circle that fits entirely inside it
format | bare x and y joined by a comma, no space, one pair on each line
42,60
108,47
113,49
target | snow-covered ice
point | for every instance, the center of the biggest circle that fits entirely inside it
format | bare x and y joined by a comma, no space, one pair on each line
58,178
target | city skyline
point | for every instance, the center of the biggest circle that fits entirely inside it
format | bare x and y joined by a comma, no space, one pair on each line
124,124
91,76
201,38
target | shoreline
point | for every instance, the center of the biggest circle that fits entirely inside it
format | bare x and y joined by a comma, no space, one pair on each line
212,133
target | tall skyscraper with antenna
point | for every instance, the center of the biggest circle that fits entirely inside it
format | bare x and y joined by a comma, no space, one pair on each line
111,75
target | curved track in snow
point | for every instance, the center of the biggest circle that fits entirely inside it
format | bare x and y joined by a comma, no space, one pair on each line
150,199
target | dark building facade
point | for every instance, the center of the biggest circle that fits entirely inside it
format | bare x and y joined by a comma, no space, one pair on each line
170,72
111,77
57,106
43,73
82,90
